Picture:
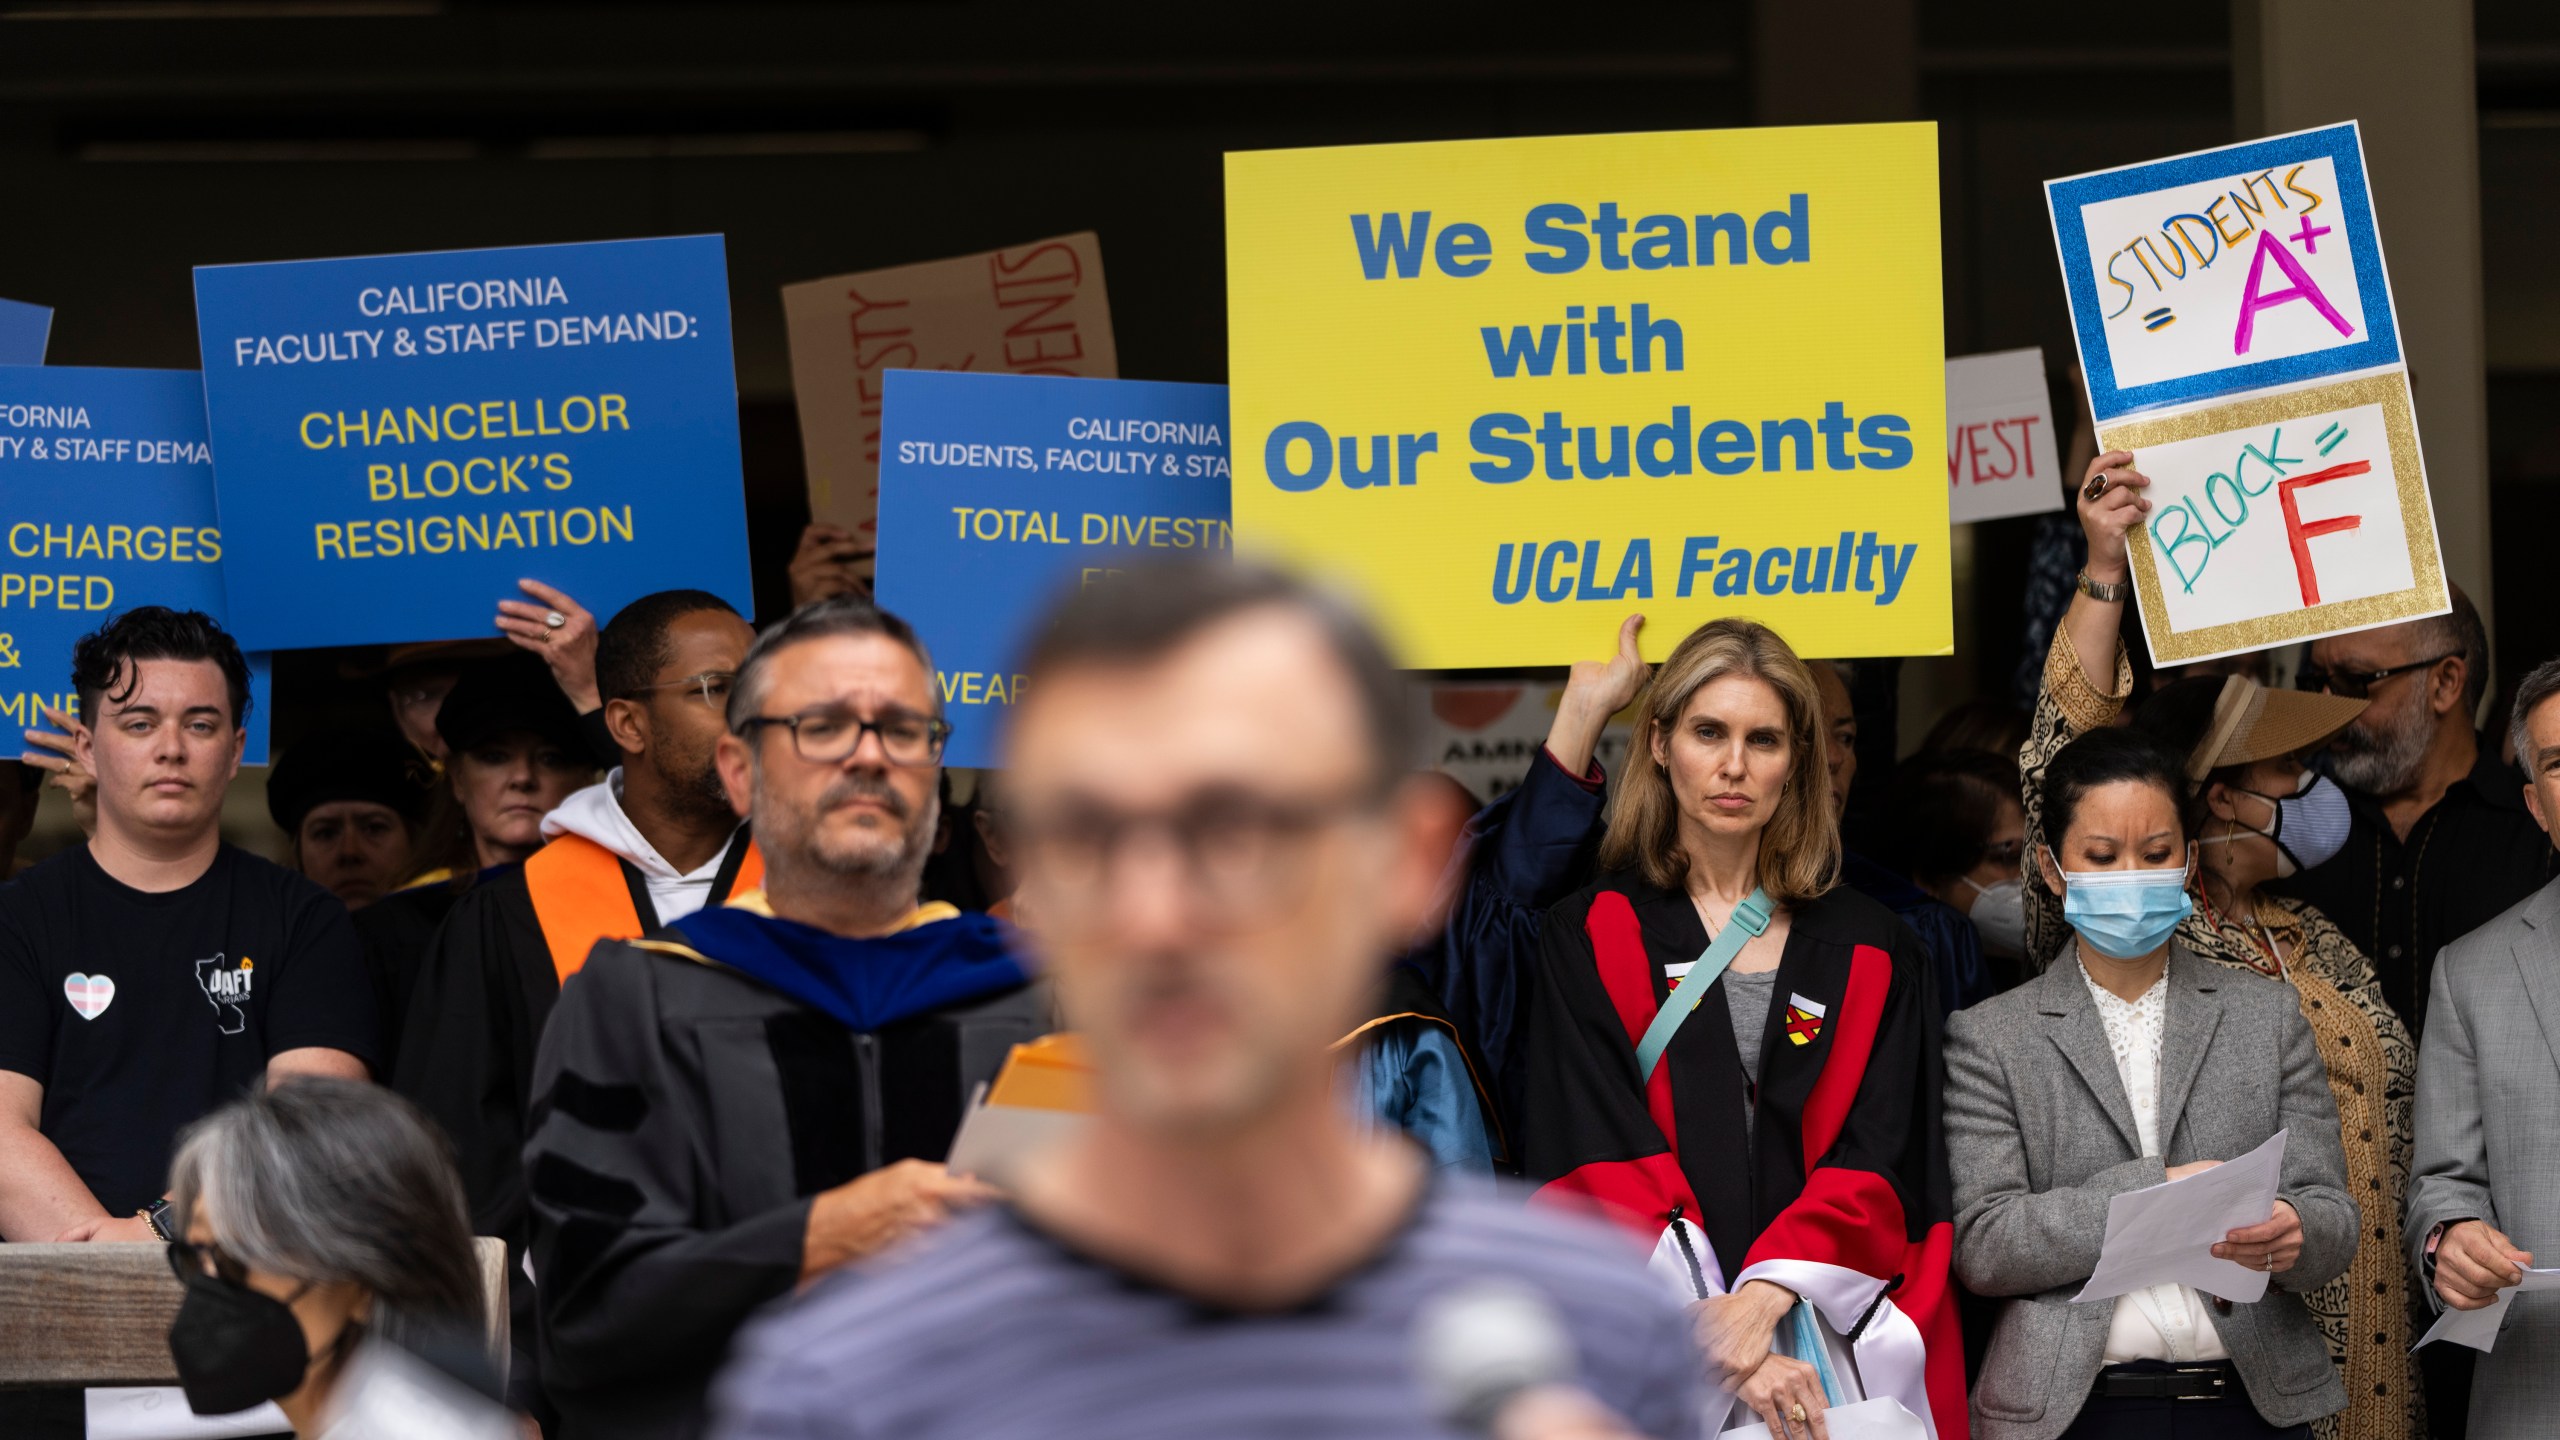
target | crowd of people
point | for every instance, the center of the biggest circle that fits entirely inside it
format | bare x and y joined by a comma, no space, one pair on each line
661,951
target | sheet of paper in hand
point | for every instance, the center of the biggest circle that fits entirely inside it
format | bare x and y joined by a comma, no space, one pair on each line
2236,332
2479,1328
2165,1234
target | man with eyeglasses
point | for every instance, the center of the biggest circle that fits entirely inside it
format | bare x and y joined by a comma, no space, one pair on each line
653,842
2440,842
1218,840
762,1091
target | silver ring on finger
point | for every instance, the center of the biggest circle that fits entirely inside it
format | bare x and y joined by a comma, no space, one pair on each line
554,620
2097,485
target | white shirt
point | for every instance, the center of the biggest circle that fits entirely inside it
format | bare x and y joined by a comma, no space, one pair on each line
596,812
2161,1322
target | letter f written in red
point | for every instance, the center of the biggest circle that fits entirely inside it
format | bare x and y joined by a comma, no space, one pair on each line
2299,535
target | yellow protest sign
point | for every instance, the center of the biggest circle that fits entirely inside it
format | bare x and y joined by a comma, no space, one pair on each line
1509,390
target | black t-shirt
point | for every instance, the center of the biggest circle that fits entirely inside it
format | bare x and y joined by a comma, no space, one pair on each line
140,1012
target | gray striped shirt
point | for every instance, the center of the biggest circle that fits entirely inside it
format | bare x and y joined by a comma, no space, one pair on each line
993,1330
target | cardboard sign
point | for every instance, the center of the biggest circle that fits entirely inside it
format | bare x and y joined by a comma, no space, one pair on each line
399,439
23,329
1509,390
1487,736
2000,455
2235,325
1035,309
999,491
106,502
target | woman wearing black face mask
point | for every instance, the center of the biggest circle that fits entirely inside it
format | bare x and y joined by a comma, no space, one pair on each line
318,1217
2256,814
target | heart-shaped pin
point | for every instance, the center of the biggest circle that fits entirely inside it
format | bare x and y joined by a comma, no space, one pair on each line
88,994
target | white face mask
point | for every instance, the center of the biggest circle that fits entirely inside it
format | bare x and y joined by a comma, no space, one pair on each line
2310,824
2000,916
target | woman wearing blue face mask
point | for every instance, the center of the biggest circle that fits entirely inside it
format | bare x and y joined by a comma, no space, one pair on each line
2129,1062
2256,814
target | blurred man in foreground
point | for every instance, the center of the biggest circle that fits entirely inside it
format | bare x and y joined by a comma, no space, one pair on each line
763,1091
1206,789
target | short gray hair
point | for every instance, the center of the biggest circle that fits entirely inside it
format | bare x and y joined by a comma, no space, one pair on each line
338,1182
817,620
2540,685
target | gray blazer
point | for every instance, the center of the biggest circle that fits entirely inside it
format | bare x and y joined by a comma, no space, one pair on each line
2489,1140
2040,1137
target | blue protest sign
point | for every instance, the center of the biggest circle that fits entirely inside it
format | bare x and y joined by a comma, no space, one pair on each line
2224,271
106,502
400,438
23,328
999,491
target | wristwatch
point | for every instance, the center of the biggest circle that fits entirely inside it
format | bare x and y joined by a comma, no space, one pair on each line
156,1215
2114,594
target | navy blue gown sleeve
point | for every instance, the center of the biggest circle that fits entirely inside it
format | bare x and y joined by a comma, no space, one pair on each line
1523,853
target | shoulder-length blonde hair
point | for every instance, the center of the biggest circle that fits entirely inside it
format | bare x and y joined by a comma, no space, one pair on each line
1800,847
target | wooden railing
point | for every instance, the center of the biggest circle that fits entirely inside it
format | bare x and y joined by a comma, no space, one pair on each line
99,1314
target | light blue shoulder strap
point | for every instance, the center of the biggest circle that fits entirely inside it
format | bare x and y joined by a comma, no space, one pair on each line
1749,919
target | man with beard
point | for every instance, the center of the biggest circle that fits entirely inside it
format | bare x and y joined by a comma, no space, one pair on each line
763,1091
653,842
2440,842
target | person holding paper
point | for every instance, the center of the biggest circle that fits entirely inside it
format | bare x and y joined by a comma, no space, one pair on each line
763,1091
2257,815
1734,1056
1217,829
2486,1200
2131,1062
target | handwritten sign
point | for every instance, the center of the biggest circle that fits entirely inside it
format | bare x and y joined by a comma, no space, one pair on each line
400,438
1510,390
106,502
999,491
2000,456
2235,324
23,328
1035,309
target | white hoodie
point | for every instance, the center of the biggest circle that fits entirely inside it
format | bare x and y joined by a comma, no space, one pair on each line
596,813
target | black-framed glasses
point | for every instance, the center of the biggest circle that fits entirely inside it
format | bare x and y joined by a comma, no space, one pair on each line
2357,684
1239,853
711,687
826,737
191,1260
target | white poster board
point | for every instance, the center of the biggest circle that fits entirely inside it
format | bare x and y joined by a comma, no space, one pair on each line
2000,449
2235,327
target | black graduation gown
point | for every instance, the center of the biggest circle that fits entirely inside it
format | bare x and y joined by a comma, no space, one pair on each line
687,1113
1828,1177
485,985
395,931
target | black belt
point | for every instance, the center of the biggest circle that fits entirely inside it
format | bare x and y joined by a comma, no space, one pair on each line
2214,1381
